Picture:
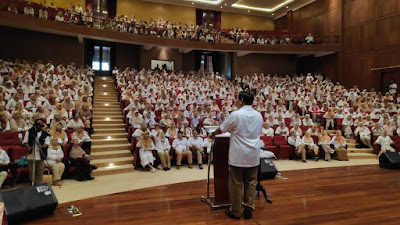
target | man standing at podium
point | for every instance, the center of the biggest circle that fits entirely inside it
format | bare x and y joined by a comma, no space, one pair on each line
245,126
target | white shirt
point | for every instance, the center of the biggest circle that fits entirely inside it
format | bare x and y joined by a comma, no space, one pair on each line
4,157
384,142
161,145
180,144
268,132
53,154
245,126
295,141
196,141
36,153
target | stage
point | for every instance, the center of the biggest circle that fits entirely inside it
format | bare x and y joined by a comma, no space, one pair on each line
338,195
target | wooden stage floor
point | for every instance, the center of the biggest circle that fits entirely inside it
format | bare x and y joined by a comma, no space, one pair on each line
340,195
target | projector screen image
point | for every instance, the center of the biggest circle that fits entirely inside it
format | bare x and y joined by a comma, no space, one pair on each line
162,65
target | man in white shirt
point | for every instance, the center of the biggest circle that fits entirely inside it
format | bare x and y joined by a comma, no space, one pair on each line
364,134
196,144
245,126
181,147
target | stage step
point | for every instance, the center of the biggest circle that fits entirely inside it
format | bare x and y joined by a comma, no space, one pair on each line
111,154
361,156
97,136
360,150
114,161
109,170
107,141
112,147
109,131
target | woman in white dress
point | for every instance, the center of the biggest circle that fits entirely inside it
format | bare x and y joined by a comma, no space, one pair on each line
146,146
384,140
54,159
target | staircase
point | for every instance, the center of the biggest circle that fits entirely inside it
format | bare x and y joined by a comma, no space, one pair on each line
353,152
110,150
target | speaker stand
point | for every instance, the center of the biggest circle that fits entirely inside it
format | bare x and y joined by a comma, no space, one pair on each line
261,188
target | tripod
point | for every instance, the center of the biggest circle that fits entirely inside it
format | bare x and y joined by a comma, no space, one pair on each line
34,146
261,188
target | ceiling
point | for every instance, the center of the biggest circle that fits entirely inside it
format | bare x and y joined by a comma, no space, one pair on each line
267,8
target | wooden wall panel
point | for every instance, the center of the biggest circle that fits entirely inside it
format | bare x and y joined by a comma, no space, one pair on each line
388,31
319,25
366,35
307,11
349,13
388,8
350,38
366,10
333,22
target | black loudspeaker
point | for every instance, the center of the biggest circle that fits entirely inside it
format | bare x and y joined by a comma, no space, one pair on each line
390,160
28,203
266,170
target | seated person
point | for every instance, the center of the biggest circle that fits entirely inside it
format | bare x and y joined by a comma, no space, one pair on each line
146,146
297,130
186,130
196,145
163,147
155,132
76,122
307,121
309,142
329,119
83,137
267,130
314,130
182,148
136,120
4,166
172,131
309,39
364,134
58,119
324,142
346,126
54,159
282,130
81,160
59,133
140,131
384,141
17,123
86,114
297,143
4,123
339,144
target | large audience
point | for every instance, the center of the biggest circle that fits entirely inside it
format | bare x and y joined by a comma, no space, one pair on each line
57,96
301,108
157,28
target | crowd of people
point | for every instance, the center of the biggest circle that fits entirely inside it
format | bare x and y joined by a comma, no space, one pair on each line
123,23
54,104
178,106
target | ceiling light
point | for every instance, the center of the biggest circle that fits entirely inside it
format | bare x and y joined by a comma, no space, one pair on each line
211,2
273,14
104,85
106,104
108,118
221,7
240,6
105,93
111,164
192,3
109,137
287,6
104,78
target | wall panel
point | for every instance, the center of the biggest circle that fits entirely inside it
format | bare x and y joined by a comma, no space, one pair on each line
388,31
389,7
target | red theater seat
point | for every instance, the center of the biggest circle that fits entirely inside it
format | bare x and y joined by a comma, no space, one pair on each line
285,150
269,145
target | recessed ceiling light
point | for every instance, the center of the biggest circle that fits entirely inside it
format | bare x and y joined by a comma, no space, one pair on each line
225,3
221,7
192,3
273,14
248,11
287,6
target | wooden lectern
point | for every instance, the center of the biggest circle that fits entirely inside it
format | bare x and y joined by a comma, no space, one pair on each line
219,157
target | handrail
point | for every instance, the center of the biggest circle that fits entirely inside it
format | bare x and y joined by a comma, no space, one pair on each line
385,68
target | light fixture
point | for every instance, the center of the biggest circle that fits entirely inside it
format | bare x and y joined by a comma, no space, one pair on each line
109,137
105,93
111,164
104,78
108,118
248,10
287,6
225,3
240,6
192,3
273,14
211,2
221,7
104,85
106,104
